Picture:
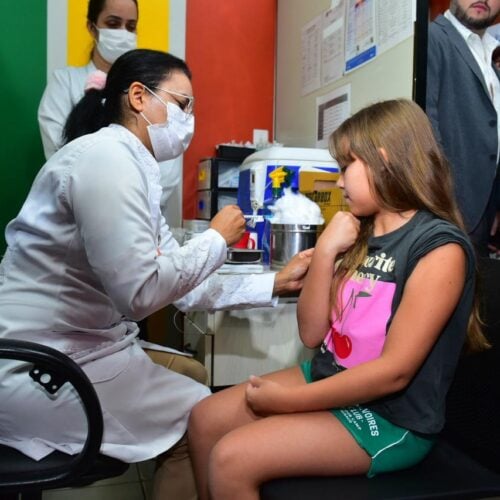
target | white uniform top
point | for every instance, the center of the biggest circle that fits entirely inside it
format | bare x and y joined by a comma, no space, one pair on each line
64,90
87,255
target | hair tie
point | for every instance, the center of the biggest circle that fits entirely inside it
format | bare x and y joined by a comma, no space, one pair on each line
95,81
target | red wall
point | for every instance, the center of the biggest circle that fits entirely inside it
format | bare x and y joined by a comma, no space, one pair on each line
231,49
437,7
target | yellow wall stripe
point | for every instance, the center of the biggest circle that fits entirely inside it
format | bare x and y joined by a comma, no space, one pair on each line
152,30
79,40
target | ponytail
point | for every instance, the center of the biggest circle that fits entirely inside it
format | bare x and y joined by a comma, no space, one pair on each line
86,117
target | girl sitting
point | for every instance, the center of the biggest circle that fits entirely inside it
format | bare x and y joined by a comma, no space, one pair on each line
388,299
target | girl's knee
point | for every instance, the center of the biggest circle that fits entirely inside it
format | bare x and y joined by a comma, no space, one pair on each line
225,461
234,456
200,419
230,469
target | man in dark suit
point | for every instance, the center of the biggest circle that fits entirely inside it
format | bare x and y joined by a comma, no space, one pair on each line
463,104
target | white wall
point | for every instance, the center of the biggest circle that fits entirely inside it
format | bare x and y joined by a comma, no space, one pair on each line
389,75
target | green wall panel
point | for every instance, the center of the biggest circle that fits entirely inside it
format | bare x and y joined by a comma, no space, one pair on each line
23,63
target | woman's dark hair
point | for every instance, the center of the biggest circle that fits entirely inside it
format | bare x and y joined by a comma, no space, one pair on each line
95,8
99,108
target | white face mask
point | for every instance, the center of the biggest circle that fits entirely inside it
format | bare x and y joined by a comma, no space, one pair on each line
113,43
171,138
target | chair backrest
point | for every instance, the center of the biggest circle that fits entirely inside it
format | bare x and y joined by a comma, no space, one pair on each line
52,369
473,404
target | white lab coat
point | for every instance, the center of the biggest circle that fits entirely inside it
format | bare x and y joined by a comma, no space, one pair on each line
87,255
64,90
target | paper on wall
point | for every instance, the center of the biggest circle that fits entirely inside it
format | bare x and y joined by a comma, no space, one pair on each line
331,110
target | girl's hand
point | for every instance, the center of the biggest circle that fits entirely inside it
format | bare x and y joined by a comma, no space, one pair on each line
267,397
230,223
340,234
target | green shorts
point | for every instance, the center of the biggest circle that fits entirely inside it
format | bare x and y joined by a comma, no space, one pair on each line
390,447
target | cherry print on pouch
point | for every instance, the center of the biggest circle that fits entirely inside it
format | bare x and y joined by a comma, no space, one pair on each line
342,344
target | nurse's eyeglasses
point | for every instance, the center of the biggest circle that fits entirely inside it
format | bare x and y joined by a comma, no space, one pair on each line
186,105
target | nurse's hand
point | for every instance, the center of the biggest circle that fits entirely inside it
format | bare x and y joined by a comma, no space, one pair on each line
230,223
291,278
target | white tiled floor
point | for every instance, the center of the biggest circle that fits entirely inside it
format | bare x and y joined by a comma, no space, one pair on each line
135,484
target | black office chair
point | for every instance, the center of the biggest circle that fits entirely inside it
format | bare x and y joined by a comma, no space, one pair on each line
20,474
465,463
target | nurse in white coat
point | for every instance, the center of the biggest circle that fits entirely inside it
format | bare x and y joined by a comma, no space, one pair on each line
113,25
89,254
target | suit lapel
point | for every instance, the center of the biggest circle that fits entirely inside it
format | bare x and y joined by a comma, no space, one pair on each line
462,48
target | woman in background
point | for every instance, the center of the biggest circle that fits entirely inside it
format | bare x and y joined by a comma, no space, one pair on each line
112,25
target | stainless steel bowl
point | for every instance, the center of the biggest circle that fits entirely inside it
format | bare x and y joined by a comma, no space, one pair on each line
289,239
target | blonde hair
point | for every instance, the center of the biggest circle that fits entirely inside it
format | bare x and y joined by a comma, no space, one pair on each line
407,171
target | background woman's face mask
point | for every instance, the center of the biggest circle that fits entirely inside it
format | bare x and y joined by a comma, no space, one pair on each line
171,138
112,43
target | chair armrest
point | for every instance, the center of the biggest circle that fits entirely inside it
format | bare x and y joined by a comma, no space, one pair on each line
53,369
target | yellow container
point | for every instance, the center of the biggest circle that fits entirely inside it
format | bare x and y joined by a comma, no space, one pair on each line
321,187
